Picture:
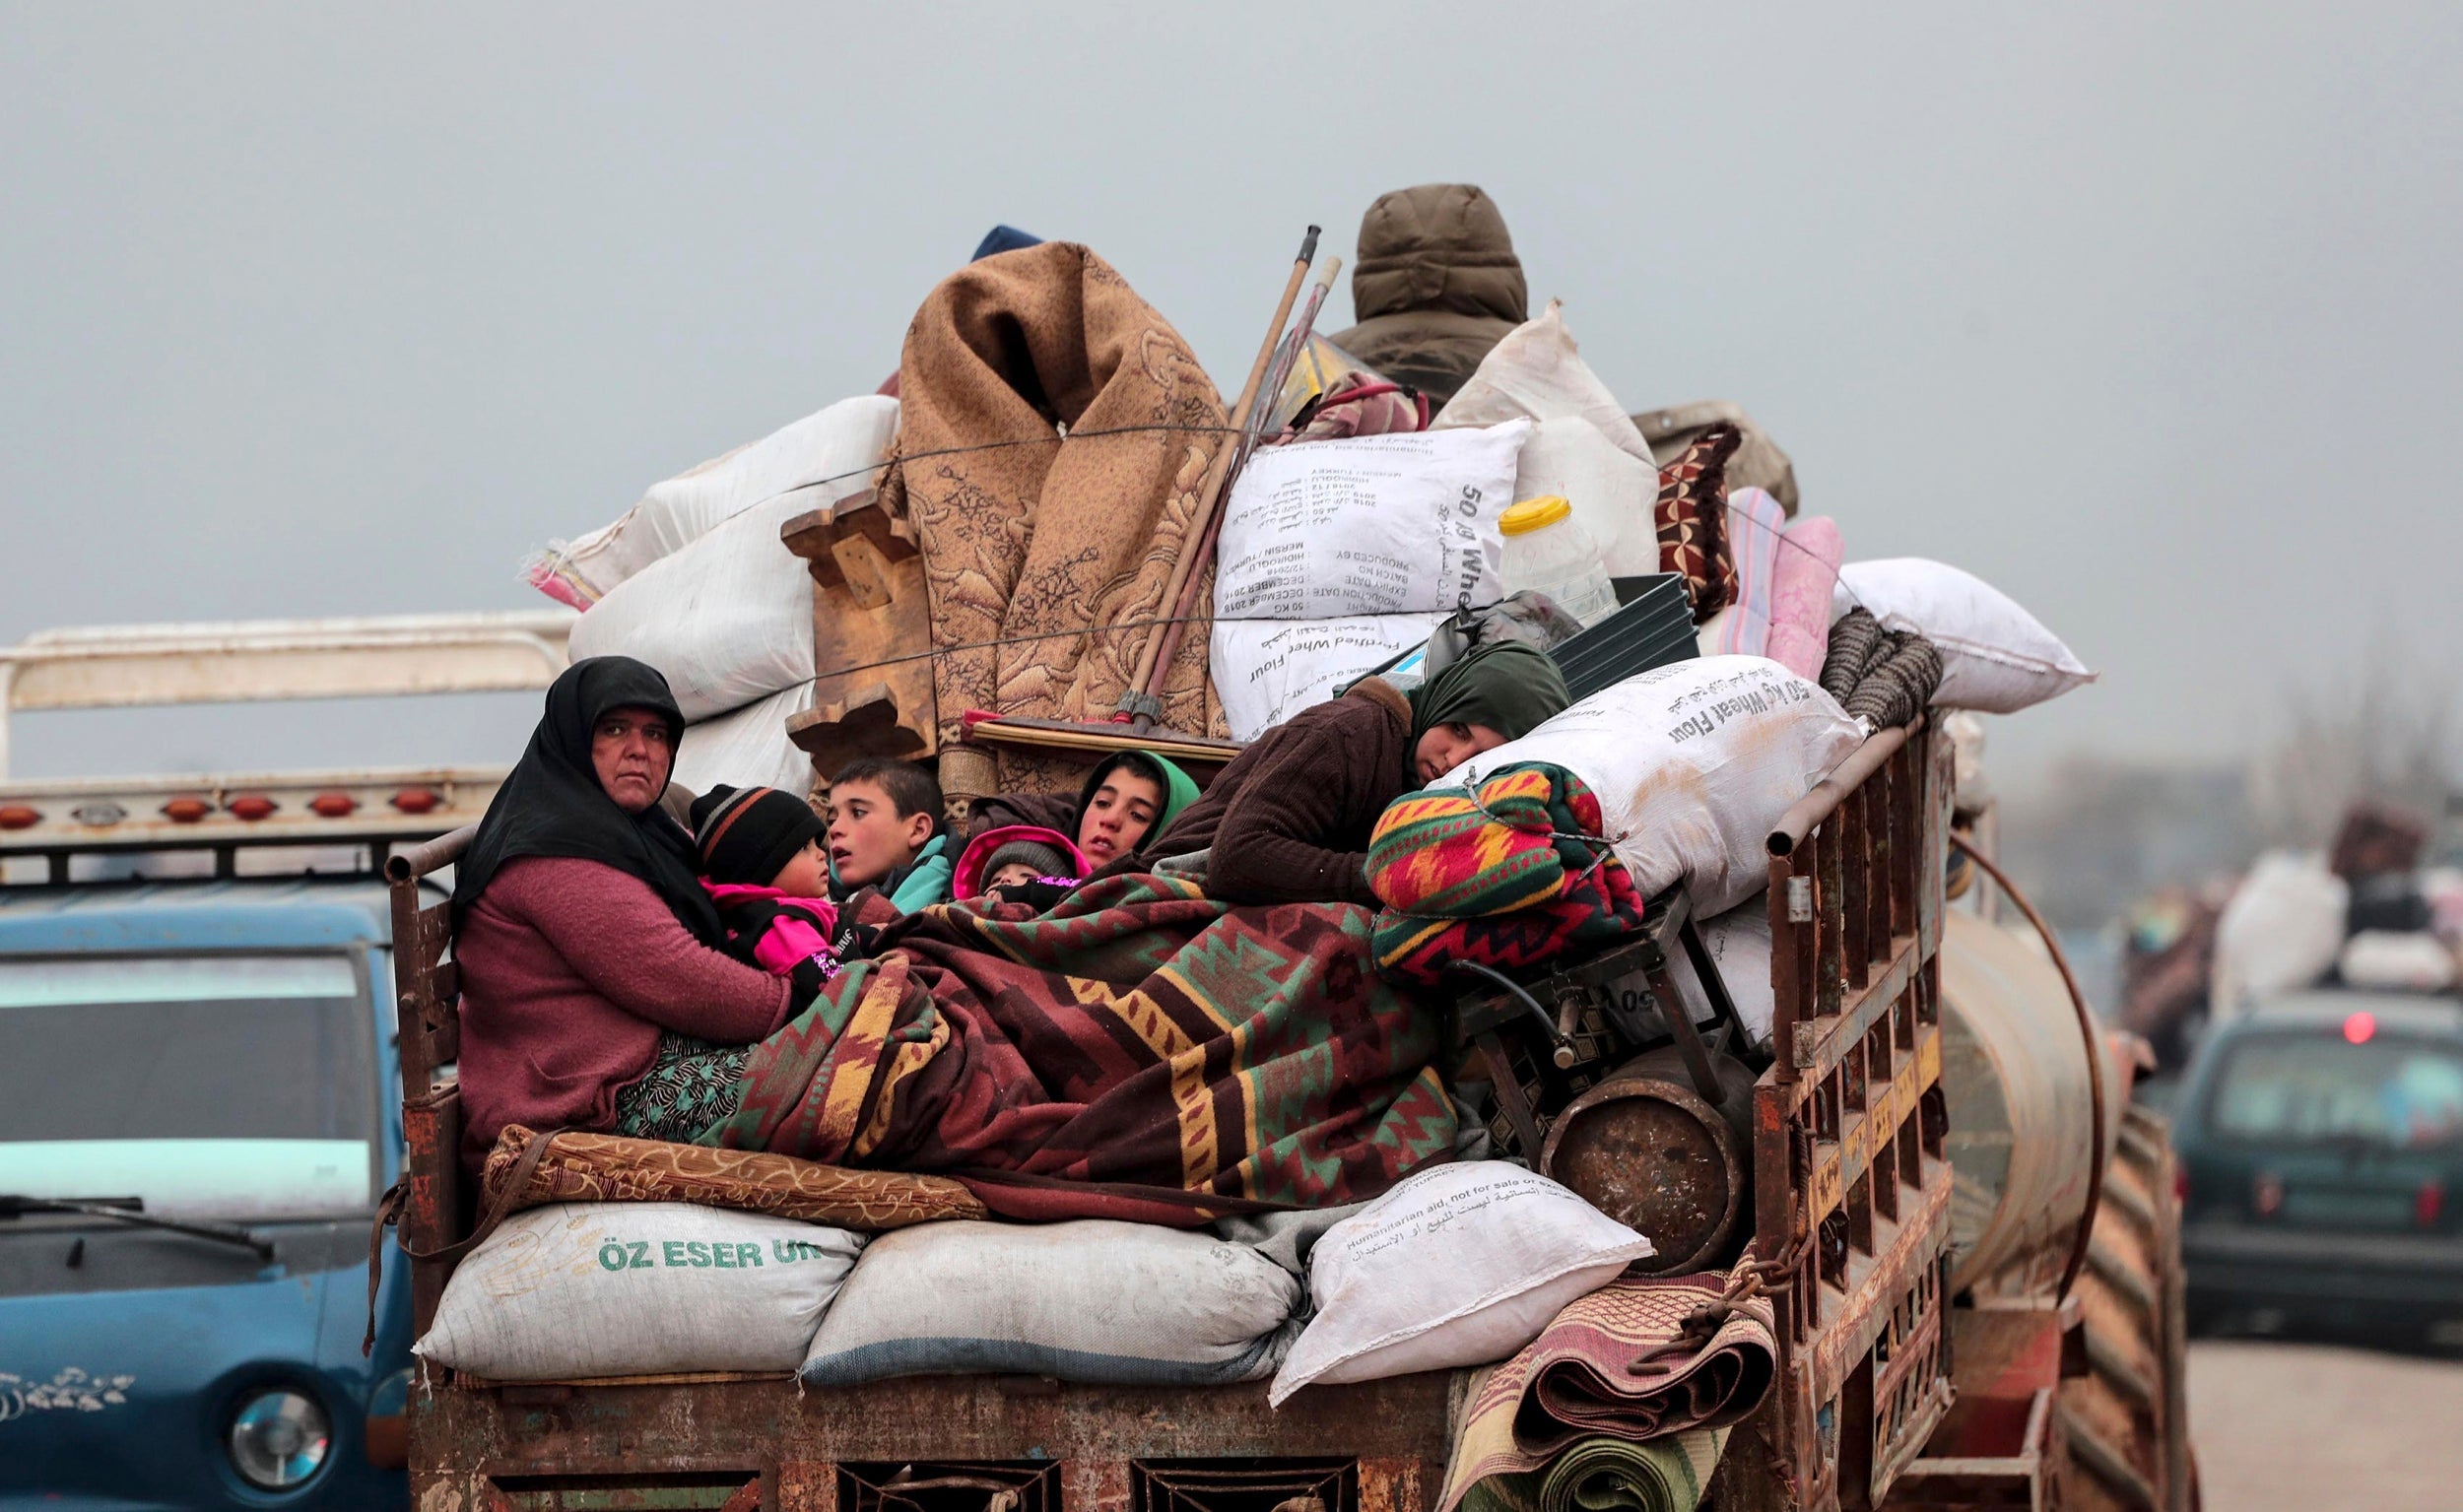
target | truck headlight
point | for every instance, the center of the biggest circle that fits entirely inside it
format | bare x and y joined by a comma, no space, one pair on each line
278,1439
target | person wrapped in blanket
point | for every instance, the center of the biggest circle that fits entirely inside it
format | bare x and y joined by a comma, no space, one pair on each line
1290,819
1034,849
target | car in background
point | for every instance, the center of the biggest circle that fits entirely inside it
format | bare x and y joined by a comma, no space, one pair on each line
2321,1154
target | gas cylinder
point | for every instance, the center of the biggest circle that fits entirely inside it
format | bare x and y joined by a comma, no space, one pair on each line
2015,1070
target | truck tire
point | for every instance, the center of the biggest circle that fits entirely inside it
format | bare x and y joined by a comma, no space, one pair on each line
2125,1421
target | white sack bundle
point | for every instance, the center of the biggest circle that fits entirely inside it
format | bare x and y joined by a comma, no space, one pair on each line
1265,671
1996,657
1538,371
727,621
582,1290
1459,1265
748,748
2280,931
1371,525
1693,762
850,437
1124,1304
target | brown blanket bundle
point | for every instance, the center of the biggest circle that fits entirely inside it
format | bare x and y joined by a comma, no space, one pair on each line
1062,545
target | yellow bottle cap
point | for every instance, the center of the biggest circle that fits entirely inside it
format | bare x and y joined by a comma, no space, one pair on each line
1532,513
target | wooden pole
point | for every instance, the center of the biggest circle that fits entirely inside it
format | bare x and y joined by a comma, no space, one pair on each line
1136,700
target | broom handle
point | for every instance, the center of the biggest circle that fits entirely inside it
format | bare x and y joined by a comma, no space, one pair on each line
1210,490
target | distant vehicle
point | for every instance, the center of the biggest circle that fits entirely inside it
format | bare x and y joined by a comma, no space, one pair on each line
199,1092
2322,1147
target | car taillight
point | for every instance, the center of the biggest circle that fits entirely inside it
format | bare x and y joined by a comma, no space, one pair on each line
2358,1029
2180,1186
332,805
250,806
2266,1195
2429,1203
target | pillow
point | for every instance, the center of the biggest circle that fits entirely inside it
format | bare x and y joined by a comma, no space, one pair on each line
1801,585
1460,1265
1757,531
1996,657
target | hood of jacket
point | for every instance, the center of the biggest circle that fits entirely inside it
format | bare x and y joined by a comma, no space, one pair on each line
1437,247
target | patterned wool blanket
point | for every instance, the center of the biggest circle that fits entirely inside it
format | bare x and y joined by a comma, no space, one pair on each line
1037,546
1140,1051
1508,874
1636,1361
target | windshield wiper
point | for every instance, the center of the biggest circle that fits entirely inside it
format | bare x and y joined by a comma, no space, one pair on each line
129,1211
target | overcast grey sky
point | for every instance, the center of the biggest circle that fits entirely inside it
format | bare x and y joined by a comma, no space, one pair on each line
2147,314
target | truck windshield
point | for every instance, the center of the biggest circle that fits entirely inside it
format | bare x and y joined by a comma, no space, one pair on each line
2391,1093
226,1086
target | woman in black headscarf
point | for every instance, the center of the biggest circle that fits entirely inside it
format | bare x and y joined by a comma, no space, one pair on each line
1288,820
592,997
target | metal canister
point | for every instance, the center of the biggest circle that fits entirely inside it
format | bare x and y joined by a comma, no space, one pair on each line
1648,1150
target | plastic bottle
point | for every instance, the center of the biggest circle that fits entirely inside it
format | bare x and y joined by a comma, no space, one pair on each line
1547,550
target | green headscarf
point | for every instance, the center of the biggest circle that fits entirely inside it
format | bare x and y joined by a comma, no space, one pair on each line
1179,788
1508,685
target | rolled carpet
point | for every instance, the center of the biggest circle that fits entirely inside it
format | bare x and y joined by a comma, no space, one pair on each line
1609,1475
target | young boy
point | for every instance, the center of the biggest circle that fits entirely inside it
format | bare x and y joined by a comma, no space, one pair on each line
763,864
884,834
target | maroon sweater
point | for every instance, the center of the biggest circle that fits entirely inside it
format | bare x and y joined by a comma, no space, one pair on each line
1288,820
570,970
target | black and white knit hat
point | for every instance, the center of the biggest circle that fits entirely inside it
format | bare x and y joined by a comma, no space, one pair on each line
745,835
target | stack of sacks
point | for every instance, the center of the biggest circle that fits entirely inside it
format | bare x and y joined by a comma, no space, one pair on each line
1337,555
695,581
1585,448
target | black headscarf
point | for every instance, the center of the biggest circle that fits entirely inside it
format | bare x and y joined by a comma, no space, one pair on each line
552,802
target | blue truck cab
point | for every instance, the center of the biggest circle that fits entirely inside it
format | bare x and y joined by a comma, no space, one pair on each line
222,1052
200,1109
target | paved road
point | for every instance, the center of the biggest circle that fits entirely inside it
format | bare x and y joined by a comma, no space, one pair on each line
2289,1427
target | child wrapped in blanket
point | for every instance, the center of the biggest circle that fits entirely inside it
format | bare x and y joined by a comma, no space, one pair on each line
1127,799
763,864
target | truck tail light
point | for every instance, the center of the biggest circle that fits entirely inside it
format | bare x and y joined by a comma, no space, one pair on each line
332,805
415,800
186,811
17,816
250,806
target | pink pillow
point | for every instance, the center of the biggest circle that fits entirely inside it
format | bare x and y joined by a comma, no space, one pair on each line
1800,597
